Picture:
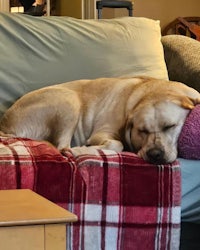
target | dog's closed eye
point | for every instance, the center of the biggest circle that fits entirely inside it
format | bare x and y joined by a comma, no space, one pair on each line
168,127
164,129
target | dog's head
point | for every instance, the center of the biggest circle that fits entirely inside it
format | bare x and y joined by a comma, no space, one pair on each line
154,125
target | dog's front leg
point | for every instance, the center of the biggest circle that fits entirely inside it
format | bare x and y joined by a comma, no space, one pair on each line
105,140
97,141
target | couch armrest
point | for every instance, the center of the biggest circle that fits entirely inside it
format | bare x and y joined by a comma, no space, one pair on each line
127,204
122,202
182,56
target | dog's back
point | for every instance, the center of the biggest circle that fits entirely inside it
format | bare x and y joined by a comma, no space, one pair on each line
45,113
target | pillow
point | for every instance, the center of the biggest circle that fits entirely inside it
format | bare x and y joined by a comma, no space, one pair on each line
189,139
49,50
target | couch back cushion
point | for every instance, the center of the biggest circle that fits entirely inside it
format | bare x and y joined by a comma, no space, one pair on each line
36,52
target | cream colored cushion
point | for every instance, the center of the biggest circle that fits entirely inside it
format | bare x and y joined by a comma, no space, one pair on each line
36,52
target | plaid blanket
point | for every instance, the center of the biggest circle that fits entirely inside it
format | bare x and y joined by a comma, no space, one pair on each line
121,201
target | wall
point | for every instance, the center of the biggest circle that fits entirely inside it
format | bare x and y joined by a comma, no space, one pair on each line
164,10
66,8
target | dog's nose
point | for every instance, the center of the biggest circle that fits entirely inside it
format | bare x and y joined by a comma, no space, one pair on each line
155,155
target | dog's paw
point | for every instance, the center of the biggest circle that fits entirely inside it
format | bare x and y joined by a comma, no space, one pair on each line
76,151
6,135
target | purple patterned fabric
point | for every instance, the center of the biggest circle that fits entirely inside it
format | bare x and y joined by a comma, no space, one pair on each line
189,139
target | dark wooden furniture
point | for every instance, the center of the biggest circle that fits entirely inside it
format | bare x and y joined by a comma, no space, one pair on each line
187,26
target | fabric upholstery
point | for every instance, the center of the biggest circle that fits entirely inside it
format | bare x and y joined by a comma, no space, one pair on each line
49,50
121,201
182,59
190,185
188,144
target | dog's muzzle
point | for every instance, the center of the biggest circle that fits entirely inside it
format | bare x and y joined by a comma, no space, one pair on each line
156,155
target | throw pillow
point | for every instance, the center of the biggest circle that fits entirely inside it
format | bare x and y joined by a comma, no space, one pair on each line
189,139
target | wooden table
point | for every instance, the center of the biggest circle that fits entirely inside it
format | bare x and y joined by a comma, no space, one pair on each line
31,222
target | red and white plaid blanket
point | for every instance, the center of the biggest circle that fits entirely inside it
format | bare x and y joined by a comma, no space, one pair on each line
121,201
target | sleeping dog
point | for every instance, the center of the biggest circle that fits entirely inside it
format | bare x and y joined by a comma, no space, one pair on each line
143,115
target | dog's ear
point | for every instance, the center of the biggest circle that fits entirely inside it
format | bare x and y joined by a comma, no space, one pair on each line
185,102
128,129
189,103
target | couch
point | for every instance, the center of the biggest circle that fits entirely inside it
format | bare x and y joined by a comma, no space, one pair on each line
122,202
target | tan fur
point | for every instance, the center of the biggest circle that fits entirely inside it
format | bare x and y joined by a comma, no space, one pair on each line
144,115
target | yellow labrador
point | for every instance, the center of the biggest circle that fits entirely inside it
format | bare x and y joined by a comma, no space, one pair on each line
142,115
